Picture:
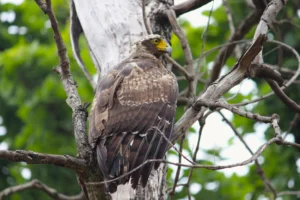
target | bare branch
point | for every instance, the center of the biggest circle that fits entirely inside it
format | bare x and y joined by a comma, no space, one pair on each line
31,157
36,184
266,21
237,49
211,167
244,27
69,85
235,110
260,171
293,123
220,87
79,114
296,193
186,49
265,71
293,144
188,6
187,75
295,76
288,21
283,97
202,124
42,5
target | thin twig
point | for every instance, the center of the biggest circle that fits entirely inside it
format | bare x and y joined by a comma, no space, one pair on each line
237,49
283,97
235,110
293,123
187,75
244,27
198,74
202,124
258,166
36,184
211,167
288,21
186,49
172,193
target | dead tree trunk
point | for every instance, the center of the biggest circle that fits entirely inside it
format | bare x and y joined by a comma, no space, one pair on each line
110,28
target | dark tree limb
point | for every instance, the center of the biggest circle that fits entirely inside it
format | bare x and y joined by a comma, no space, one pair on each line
188,6
282,96
31,157
36,184
265,71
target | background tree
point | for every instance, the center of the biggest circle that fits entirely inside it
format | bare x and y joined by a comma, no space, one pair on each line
34,115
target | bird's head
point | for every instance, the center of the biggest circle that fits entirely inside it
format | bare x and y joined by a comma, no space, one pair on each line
153,44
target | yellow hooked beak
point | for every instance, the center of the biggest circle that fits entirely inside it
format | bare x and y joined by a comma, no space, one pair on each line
163,45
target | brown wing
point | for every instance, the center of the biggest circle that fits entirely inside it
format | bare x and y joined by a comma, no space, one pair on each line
133,106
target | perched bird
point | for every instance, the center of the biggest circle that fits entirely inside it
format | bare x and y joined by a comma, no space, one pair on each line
134,105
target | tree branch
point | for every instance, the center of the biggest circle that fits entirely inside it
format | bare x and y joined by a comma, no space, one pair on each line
260,171
186,49
282,96
30,157
36,184
79,113
296,193
287,84
211,167
266,21
73,100
244,27
216,90
235,110
188,6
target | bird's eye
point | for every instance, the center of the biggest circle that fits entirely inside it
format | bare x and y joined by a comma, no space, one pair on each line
155,41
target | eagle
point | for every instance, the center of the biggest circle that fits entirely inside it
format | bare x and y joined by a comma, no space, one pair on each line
132,114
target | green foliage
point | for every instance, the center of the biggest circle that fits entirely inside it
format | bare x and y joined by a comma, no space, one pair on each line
32,99
37,118
279,162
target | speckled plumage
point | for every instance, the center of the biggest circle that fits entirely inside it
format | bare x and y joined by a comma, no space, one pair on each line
134,103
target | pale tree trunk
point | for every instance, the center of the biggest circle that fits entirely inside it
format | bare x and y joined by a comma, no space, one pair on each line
110,28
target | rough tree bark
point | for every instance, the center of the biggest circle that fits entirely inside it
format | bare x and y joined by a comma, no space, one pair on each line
110,28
